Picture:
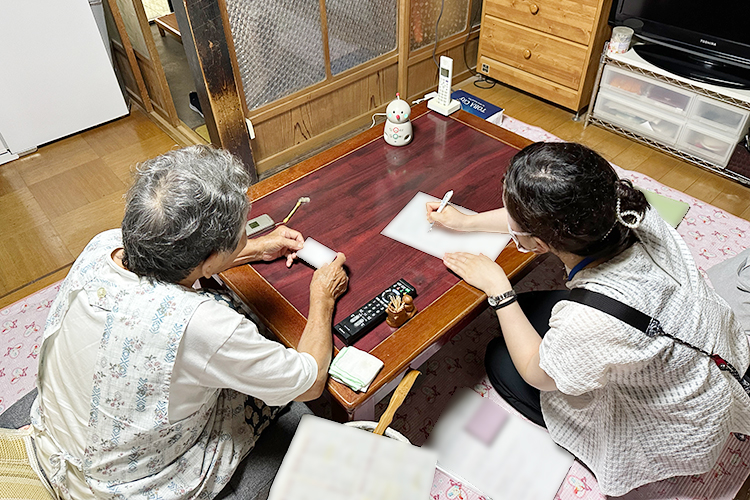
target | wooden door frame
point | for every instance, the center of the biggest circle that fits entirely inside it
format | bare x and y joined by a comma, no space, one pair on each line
164,116
212,63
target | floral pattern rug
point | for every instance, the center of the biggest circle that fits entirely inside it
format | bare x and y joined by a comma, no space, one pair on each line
712,235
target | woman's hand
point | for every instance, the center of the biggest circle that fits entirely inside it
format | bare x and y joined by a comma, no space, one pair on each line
329,281
449,217
281,242
478,271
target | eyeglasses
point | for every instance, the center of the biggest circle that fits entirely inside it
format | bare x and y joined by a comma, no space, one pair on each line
514,236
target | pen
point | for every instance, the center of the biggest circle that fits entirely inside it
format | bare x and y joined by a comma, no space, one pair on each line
443,203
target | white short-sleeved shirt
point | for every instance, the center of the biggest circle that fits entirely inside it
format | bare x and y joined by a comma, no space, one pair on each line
633,408
219,349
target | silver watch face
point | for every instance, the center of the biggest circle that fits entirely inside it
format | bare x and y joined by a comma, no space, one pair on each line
492,300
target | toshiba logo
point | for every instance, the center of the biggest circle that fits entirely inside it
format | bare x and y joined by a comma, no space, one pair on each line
708,42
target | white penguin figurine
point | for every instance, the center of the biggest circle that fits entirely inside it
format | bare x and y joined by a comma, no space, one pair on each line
397,125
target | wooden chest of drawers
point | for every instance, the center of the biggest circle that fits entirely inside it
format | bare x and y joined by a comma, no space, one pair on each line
549,48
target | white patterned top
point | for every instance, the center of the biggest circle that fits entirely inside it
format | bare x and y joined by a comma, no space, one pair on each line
636,409
117,350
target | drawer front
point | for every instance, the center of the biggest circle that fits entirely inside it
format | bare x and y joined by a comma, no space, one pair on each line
569,19
721,116
627,113
540,87
647,91
707,144
533,52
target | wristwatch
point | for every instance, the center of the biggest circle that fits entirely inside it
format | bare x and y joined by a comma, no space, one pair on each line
499,301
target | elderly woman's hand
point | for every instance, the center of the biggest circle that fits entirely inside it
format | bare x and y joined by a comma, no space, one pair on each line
479,271
330,280
281,242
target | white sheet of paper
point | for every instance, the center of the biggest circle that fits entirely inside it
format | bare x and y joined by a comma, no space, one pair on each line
411,227
522,462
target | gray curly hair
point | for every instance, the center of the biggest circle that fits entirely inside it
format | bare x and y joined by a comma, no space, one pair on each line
183,206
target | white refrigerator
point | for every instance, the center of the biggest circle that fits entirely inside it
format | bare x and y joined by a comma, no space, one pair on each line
56,77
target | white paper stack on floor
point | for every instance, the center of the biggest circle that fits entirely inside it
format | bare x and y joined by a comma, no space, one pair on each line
355,368
499,454
331,461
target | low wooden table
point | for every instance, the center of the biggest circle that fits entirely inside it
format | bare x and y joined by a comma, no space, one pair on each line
356,188
168,24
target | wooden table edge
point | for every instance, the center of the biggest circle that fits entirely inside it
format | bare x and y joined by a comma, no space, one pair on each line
469,301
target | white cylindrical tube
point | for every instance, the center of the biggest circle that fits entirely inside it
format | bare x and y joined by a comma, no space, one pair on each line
316,254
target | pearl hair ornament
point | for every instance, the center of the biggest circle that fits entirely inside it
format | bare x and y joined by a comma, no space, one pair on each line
637,218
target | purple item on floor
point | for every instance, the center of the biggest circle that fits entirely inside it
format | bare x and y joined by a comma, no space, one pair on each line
486,422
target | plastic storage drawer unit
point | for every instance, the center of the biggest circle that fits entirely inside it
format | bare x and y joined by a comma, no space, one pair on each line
729,119
623,111
649,92
706,143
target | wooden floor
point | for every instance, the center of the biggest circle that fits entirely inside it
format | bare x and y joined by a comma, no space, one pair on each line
54,201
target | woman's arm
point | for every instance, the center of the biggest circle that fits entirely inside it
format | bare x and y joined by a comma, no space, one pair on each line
493,221
327,285
521,338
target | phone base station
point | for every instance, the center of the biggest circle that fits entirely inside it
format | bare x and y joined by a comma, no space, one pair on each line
434,105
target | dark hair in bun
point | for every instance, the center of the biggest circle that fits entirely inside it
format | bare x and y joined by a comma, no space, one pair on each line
566,195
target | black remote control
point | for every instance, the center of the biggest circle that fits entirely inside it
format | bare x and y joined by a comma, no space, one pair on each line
371,314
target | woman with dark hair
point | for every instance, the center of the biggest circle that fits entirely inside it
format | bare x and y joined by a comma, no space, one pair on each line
635,409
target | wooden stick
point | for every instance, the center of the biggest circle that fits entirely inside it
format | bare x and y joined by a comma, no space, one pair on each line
398,397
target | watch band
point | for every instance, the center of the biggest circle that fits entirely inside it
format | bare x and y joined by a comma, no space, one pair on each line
506,303
499,301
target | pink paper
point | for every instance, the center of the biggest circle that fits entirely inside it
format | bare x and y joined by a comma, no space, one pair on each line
486,422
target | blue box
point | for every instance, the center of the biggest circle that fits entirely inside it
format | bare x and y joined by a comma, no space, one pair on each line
474,105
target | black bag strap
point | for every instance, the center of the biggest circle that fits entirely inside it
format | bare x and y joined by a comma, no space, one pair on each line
645,323
613,307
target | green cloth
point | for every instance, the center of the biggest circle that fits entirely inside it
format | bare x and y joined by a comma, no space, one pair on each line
355,368
672,211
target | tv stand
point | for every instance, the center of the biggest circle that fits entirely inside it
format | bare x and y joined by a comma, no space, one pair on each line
698,122
695,67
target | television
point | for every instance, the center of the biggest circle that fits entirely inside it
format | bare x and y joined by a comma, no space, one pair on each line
705,40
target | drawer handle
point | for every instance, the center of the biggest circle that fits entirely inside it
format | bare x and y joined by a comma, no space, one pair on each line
527,54
534,9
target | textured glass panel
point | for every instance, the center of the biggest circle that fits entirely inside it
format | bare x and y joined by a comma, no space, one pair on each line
279,47
476,13
359,30
424,14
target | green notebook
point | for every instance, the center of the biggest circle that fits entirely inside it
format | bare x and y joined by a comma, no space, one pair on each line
672,211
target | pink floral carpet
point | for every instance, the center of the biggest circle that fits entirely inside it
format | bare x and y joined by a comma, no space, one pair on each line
712,235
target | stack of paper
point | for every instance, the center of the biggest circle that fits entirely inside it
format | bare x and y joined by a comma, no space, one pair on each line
355,368
330,461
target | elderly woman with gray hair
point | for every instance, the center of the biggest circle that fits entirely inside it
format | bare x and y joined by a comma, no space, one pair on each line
148,388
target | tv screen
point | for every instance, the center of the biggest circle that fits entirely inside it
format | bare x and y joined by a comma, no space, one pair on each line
715,34
725,19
